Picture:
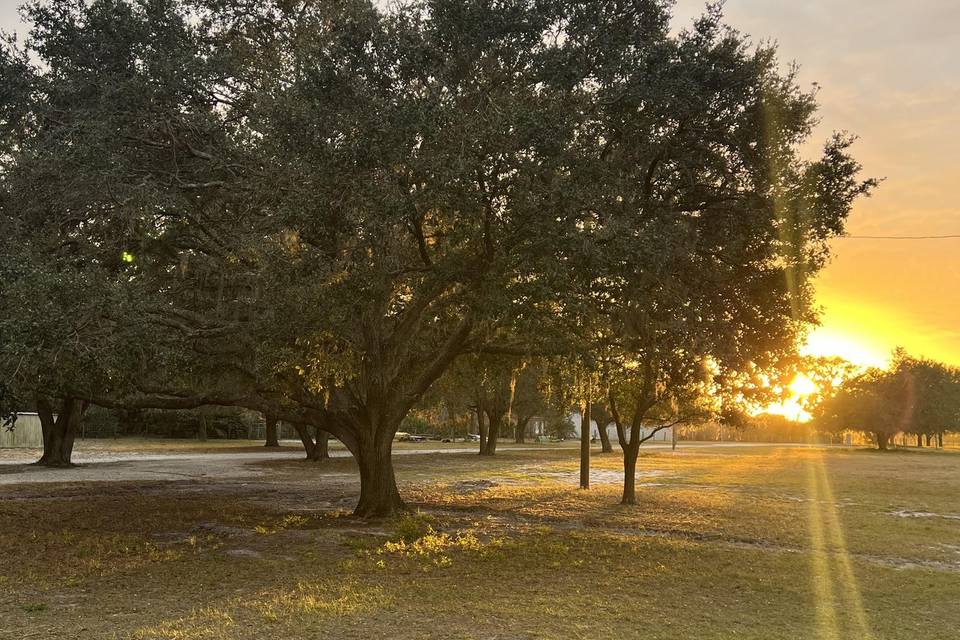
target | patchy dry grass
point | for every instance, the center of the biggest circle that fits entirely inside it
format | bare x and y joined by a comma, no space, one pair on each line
758,543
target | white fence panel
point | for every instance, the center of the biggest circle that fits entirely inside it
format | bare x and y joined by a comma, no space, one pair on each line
26,433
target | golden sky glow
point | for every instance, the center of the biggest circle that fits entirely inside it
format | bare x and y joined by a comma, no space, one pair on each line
847,343
888,72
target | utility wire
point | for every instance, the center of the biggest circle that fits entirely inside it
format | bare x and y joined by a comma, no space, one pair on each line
946,237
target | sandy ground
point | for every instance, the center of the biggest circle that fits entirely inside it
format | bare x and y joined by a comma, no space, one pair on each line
120,466
104,465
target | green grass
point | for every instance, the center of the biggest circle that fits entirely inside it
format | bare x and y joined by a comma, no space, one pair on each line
759,543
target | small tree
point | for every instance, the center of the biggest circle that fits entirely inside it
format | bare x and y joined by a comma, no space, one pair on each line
645,401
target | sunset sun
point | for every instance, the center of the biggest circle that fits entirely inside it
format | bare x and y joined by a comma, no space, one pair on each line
792,408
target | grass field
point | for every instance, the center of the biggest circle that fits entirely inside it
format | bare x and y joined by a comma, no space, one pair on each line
756,543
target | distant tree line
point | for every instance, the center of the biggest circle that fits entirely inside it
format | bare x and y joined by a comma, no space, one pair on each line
914,396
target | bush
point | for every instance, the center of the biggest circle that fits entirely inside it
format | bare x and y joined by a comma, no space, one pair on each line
410,527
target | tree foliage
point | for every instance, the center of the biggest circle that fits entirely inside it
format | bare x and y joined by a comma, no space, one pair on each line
312,209
915,396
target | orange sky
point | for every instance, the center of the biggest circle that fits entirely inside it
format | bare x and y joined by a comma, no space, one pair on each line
890,73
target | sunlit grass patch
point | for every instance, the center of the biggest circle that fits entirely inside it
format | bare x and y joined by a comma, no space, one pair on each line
285,522
438,548
321,599
422,540
204,624
308,602
662,508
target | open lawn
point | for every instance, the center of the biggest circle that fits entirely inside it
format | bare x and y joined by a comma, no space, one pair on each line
764,543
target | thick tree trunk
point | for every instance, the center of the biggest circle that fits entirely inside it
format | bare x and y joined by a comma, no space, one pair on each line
607,446
882,440
521,430
379,496
493,434
322,449
630,475
47,426
305,439
59,433
272,437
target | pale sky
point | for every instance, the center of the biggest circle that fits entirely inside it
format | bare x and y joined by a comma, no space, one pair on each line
889,72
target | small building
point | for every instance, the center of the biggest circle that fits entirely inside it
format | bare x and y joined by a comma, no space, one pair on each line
26,432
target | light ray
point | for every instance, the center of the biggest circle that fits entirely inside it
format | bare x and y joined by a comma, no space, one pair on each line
850,585
824,602
832,567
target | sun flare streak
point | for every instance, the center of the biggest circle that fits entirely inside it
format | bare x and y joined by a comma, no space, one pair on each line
832,564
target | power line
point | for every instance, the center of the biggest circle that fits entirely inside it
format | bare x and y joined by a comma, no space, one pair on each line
946,237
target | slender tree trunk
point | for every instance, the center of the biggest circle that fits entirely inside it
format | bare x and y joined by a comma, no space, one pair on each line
621,436
272,437
202,430
920,440
481,429
59,432
882,440
940,440
630,454
929,438
317,450
632,449
585,420
379,496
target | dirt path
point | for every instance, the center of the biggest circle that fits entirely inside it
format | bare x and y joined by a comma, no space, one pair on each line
123,466
105,466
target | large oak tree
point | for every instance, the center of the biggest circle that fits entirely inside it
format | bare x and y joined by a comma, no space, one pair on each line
313,208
